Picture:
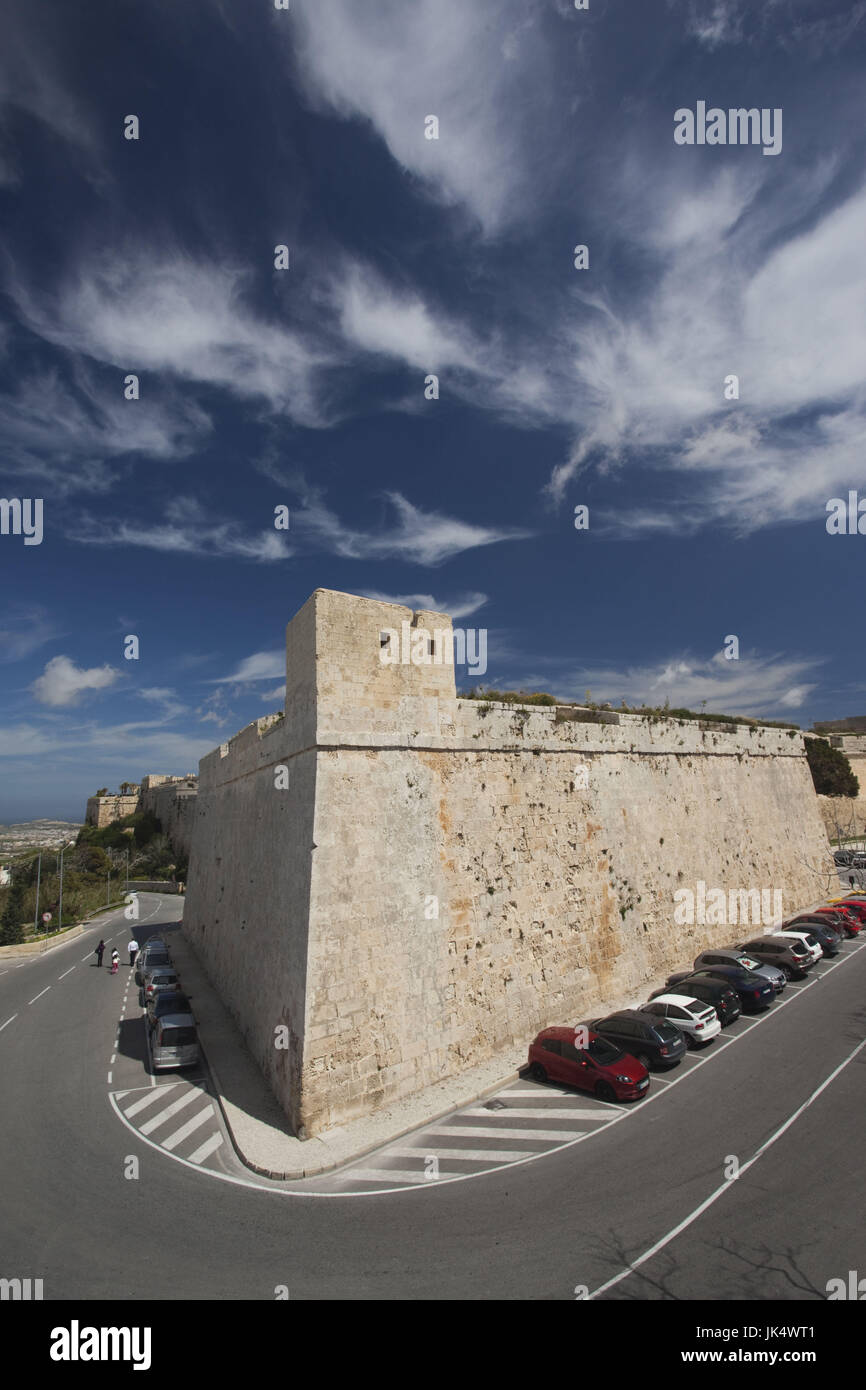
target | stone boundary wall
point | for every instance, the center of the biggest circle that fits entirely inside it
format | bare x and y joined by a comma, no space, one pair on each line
390,885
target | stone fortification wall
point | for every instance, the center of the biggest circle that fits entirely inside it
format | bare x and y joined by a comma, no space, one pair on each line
173,801
442,878
102,810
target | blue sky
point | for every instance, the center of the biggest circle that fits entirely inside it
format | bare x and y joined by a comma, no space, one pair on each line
410,256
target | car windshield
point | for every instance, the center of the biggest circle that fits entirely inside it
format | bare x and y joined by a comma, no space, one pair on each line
603,1051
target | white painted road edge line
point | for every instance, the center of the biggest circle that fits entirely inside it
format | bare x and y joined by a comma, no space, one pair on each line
39,996
66,972
729,1182
8,1021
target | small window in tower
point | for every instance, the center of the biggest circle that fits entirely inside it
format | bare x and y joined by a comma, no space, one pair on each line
431,646
384,639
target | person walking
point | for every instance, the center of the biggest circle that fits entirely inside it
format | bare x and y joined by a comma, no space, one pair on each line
133,952
115,960
100,952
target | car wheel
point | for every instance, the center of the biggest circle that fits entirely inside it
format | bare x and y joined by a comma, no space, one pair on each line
537,1072
787,972
604,1091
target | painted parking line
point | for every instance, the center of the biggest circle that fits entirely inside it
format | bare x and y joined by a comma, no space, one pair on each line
535,1112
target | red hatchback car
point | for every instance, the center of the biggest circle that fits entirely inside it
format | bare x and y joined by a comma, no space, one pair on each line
599,1066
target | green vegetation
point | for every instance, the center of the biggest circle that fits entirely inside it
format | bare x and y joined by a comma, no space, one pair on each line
86,867
537,697
831,770
508,697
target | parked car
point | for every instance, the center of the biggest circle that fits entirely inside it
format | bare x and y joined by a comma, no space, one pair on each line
153,957
828,938
174,1042
653,1041
842,915
732,955
807,939
790,954
167,1001
850,906
754,992
713,992
157,978
600,1066
698,1022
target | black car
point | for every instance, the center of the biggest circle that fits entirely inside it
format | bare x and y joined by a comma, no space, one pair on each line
828,938
753,991
653,1041
722,998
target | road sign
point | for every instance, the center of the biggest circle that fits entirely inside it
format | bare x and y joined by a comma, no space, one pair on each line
46,916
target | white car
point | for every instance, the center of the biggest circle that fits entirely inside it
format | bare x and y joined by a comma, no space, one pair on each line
810,941
693,1017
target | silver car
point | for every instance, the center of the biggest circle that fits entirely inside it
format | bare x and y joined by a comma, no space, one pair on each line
156,978
152,954
174,1042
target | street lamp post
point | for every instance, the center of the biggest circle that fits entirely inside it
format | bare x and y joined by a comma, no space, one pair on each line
60,907
108,887
38,881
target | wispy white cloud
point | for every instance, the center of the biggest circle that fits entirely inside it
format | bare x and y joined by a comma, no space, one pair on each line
456,608
261,666
188,530
394,63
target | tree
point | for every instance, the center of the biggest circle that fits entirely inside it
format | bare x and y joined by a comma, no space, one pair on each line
831,770
103,791
11,928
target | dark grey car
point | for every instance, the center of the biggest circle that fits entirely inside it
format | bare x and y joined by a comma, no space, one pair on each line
790,956
653,1041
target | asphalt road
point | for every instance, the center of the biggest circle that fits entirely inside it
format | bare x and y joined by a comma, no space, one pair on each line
583,1217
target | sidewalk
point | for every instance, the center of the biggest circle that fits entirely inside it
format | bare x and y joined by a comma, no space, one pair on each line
258,1128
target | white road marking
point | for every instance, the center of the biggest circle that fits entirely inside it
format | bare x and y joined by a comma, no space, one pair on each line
109,1078
388,1175
488,1132
536,1113
39,996
189,1128
170,1111
8,1021
476,1155
714,1196
538,1092
66,972
113,1059
207,1148
148,1099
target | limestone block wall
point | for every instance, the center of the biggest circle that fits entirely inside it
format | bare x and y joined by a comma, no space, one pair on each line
173,802
441,878
551,852
247,902
102,810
